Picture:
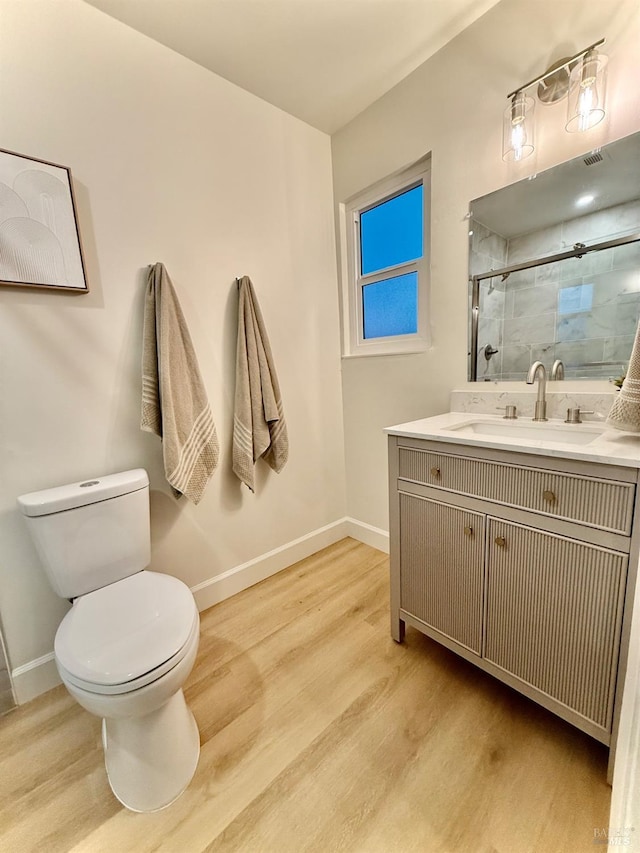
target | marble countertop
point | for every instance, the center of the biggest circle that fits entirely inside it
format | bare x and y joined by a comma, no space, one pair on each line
608,446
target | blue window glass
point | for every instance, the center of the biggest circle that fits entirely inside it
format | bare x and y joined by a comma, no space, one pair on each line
390,306
572,300
391,232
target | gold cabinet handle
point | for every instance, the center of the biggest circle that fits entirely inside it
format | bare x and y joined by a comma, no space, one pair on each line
435,472
468,531
549,496
501,541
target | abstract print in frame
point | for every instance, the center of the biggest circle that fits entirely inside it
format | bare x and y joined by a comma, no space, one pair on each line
39,237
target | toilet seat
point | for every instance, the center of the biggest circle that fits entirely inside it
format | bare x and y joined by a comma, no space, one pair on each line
128,634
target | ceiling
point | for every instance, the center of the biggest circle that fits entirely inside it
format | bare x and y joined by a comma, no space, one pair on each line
323,61
609,174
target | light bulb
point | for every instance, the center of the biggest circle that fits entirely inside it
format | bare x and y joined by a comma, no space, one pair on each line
517,142
585,101
588,99
518,139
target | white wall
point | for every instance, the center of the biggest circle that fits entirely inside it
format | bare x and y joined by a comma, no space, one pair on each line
452,106
171,164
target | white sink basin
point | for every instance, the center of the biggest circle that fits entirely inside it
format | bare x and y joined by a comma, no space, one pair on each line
530,430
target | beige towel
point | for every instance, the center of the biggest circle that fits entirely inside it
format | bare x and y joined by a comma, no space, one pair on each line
625,412
174,402
259,428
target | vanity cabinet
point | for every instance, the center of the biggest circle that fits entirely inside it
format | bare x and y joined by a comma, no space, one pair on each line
520,564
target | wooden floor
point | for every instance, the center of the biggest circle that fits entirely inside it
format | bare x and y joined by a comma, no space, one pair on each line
319,733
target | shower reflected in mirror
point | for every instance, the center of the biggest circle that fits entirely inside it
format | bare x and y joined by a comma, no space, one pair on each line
554,269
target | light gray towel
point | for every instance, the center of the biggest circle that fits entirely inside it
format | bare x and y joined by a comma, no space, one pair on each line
174,402
625,412
259,428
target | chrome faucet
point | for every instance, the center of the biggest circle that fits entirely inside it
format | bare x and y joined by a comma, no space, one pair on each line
557,371
537,371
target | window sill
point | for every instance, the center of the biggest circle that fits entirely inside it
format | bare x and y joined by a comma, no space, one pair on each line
415,349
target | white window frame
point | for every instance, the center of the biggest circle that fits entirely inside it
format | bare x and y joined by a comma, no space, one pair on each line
354,342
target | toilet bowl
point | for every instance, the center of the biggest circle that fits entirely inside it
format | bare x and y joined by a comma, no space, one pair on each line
130,639
124,652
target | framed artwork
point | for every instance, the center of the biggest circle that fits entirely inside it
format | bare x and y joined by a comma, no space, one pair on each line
39,236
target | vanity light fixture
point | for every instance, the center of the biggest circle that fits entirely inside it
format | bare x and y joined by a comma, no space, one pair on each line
586,91
517,131
581,78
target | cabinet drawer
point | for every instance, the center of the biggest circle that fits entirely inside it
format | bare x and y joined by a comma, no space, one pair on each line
606,504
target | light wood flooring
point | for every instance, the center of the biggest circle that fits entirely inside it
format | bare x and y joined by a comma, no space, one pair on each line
321,734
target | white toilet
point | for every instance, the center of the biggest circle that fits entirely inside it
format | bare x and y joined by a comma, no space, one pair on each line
130,639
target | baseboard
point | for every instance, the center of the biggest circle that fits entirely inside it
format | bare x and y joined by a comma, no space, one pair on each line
363,532
34,678
40,675
241,577
7,699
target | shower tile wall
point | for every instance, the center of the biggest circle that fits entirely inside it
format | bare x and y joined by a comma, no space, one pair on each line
488,251
582,310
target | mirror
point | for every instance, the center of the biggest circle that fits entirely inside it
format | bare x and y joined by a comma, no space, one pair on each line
549,300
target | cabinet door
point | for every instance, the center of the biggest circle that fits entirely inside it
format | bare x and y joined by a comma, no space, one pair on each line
441,568
553,615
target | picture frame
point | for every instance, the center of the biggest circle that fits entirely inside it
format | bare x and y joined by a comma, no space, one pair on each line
40,243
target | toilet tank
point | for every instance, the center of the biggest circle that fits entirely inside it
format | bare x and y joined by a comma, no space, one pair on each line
92,533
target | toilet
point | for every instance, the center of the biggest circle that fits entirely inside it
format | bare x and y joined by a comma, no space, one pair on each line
130,639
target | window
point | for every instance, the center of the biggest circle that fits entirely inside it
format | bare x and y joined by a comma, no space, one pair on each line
576,299
386,275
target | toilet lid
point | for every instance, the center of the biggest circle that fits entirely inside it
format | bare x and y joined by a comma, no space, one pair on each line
126,629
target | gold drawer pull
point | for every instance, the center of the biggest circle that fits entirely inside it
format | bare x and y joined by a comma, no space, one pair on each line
549,496
501,541
468,531
435,472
